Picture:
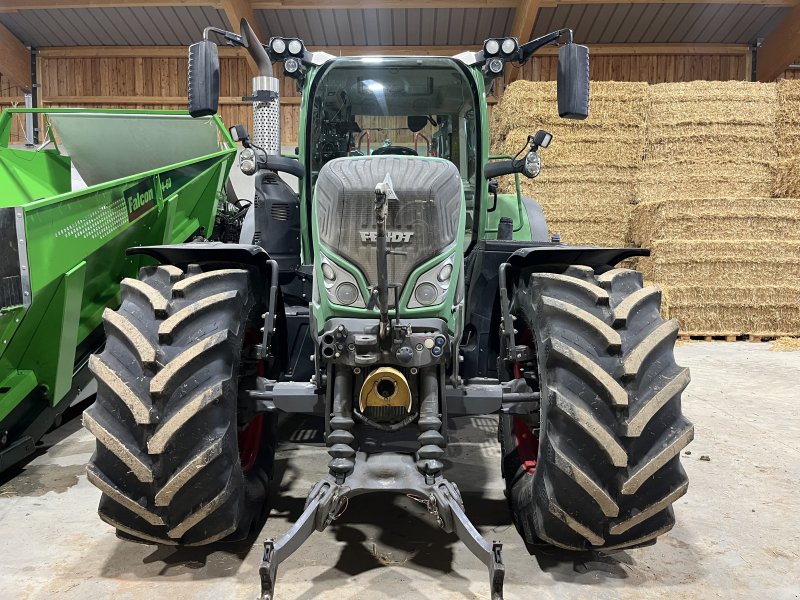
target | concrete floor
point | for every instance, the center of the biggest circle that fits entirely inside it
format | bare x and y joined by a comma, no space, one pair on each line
738,531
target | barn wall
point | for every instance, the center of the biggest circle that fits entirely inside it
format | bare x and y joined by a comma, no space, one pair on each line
160,82
11,96
652,69
151,83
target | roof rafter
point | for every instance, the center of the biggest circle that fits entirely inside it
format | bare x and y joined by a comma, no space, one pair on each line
236,10
522,28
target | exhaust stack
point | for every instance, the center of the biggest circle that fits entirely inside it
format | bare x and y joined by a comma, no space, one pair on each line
266,95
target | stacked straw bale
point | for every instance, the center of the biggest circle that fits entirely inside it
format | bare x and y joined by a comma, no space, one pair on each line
709,139
727,266
707,173
588,180
723,249
787,129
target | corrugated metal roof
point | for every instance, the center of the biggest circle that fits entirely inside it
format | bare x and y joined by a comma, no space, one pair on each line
152,26
593,24
661,23
388,27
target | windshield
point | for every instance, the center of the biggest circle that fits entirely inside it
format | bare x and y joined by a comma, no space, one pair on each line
420,106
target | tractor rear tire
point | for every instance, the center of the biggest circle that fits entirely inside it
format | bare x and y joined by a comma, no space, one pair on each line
167,458
611,429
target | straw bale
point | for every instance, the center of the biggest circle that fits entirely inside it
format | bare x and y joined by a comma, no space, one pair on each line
715,218
710,178
733,310
785,344
533,104
590,229
787,179
788,118
751,263
574,147
709,139
681,144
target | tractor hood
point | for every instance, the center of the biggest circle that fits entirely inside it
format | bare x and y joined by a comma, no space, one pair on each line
422,222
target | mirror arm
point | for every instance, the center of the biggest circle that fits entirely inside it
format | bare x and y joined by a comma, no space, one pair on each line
527,49
231,37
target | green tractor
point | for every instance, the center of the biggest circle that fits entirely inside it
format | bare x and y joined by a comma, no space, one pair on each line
395,289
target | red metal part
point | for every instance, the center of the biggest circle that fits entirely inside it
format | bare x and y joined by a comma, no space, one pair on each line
527,440
250,437
250,443
527,445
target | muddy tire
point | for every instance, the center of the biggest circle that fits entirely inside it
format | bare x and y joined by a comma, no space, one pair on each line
165,418
611,429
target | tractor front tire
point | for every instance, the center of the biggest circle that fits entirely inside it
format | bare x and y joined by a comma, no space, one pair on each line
165,418
611,429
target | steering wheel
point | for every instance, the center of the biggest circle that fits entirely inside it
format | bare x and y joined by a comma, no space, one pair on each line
401,150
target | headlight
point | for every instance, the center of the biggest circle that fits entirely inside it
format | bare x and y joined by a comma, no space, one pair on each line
278,46
445,272
533,165
290,65
431,287
328,273
295,47
496,66
346,293
426,293
247,161
491,47
339,284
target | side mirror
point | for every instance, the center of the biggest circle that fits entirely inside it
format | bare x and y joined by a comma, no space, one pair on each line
203,79
573,81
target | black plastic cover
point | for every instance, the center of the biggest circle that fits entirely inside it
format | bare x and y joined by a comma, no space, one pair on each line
203,79
10,273
573,81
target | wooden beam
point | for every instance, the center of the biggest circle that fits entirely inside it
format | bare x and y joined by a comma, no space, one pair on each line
780,48
130,52
657,50
236,10
15,59
133,100
522,28
227,52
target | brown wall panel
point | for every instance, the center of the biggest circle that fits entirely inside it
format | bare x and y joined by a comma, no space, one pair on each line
118,81
652,68
11,96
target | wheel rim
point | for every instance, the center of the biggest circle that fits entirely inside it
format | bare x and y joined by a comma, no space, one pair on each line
250,443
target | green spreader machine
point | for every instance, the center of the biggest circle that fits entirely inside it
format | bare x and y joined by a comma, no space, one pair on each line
393,289
105,180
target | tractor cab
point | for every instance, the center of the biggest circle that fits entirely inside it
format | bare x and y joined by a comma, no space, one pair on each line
400,106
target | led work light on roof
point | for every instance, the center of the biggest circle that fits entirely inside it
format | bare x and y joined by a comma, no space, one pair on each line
491,47
278,46
295,47
509,46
